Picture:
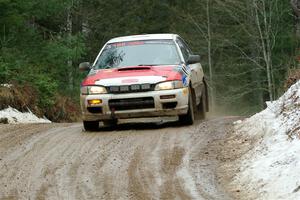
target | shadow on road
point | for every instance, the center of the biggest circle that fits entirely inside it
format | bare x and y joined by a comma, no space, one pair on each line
142,126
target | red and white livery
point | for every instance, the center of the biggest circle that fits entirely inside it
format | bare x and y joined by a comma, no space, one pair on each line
143,76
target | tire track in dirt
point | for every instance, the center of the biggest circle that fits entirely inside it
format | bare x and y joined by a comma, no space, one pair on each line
171,161
60,161
137,186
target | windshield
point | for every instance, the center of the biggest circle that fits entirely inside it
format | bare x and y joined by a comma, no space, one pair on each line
138,53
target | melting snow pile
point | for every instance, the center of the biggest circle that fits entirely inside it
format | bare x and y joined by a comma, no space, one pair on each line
13,116
272,167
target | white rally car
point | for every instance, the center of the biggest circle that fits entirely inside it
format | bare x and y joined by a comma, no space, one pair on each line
143,76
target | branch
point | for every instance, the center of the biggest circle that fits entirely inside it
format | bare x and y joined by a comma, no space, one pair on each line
295,7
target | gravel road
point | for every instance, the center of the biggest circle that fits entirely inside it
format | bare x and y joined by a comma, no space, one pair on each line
134,161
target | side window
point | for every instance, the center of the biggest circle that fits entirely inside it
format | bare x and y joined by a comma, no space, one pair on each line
187,47
183,49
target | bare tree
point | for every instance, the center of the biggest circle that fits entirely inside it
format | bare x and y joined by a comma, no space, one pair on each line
255,17
204,29
69,32
264,24
257,20
296,8
208,38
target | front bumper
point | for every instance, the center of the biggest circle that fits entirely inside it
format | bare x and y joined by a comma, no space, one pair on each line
175,104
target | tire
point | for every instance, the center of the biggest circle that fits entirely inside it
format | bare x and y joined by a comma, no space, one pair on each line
110,123
202,107
91,125
189,118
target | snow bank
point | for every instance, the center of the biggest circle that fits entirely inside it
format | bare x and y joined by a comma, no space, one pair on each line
6,85
272,167
13,116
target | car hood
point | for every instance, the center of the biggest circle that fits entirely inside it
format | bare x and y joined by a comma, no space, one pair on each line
132,75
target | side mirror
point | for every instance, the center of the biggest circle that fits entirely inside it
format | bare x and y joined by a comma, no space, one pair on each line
85,66
193,59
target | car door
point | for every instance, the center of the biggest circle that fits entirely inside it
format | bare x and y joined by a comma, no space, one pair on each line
196,75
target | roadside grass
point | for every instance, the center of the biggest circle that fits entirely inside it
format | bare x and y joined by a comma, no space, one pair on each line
65,109
25,97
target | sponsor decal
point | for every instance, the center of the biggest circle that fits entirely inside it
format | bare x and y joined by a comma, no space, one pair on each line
183,69
122,44
133,80
185,80
138,42
186,69
185,73
130,81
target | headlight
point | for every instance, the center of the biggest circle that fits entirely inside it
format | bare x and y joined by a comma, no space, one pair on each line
170,85
93,90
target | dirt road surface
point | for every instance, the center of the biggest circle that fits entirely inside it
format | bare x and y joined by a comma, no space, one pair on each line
134,161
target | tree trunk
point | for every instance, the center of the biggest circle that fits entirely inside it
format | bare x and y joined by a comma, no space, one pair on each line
212,89
258,93
70,63
263,36
296,8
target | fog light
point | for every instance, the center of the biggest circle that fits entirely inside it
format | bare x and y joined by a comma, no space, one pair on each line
94,101
168,96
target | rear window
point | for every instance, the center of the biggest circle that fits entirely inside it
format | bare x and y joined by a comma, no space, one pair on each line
138,53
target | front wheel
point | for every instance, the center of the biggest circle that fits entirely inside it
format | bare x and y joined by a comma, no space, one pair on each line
189,118
91,125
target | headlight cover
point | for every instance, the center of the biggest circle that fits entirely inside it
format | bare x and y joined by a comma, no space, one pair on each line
85,90
169,85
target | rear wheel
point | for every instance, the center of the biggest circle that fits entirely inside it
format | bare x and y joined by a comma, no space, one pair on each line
202,107
91,125
188,119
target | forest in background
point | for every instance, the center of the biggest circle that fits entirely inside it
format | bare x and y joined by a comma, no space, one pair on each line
248,47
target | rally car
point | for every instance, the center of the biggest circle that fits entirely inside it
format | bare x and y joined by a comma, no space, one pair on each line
143,76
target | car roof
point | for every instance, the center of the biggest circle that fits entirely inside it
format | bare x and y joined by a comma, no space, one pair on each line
164,36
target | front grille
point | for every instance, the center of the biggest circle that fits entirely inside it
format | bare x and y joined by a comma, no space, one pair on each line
130,88
131,104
